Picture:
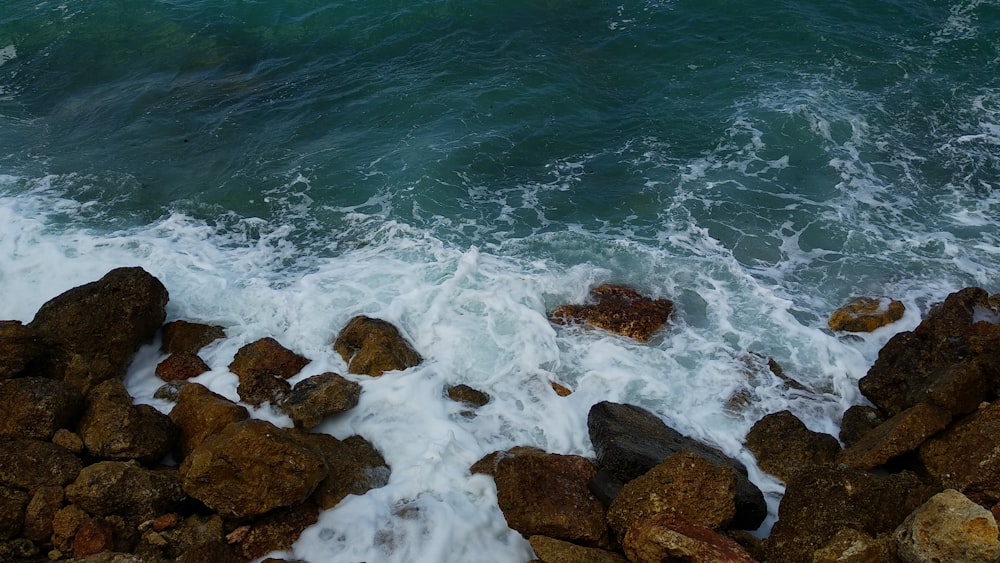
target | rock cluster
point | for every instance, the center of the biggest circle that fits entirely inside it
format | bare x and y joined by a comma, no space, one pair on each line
85,473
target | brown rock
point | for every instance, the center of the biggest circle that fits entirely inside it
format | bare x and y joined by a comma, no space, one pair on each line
113,428
487,465
180,366
40,513
251,467
462,393
94,536
216,552
551,550
68,441
35,407
685,485
183,537
267,357
18,347
618,310
170,391
29,464
373,347
669,537
318,397
866,314
560,390
783,445
276,531
125,489
64,526
18,549
858,421
257,388
110,557
95,329
355,467
900,434
948,527
851,546
200,413
185,337
966,457
13,504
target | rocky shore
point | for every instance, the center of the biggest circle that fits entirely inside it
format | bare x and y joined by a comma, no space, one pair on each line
87,475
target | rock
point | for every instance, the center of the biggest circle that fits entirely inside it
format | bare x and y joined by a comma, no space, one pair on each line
64,526
18,348
373,347
276,531
462,393
560,389
866,314
487,465
618,310
41,511
966,457
551,550
783,445
851,546
95,329
170,391
184,337
948,527
171,543
630,441
13,504
858,421
216,552
29,464
200,413
257,388
668,537
821,500
355,467
35,407
68,441
126,489
180,366
94,536
267,357
900,434
18,549
317,397
251,467
112,428
110,557
546,494
946,360
685,485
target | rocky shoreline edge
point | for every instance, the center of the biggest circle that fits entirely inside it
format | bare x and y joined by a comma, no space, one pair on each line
914,477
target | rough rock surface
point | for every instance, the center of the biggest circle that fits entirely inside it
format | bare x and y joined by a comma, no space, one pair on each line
966,457
373,347
92,331
462,393
355,467
40,512
866,314
257,388
858,421
113,428
64,526
668,537
784,446
900,434
251,467
13,504
619,310
94,536
180,366
18,347
551,550
186,337
851,546
948,527
171,542
200,413
267,357
276,531
125,488
29,464
36,407
318,397
630,441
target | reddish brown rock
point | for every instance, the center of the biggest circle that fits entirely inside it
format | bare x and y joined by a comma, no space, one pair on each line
858,421
13,504
464,394
200,413
668,537
257,388
94,330
966,457
618,310
866,314
267,357
373,347
551,550
35,407
18,348
900,434
186,337
276,531
685,485
40,513
125,489
94,536
65,523
29,464
355,467
783,445
315,398
113,428
180,366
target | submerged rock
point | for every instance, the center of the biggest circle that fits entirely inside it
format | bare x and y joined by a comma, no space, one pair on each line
866,314
619,310
186,337
373,347
314,399
267,357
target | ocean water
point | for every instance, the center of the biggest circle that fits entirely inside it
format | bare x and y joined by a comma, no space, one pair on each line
460,169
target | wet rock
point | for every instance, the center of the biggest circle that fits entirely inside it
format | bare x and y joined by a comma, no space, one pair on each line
822,500
174,541
251,467
18,348
94,536
685,485
200,413
185,337
41,511
462,393
373,347
216,552
318,397
95,329
257,388
560,389
487,465
64,526
180,366
900,434
551,550
355,467
35,407
966,457
113,428
858,421
267,357
618,310
630,441
546,494
948,527
783,445
69,441
668,537
276,531
851,546
29,464
126,489
866,314
13,504
170,391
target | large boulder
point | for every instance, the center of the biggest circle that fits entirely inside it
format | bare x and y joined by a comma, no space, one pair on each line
126,489
619,310
551,550
251,467
373,347
200,413
29,464
315,398
900,434
783,445
267,357
355,467
92,331
966,457
186,337
112,428
18,347
35,407
630,441
669,537
948,527
866,314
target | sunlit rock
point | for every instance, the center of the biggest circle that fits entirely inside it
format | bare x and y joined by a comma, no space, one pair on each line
866,314
619,310
373,347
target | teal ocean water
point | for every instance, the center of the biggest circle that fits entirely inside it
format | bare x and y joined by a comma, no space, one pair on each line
461,168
